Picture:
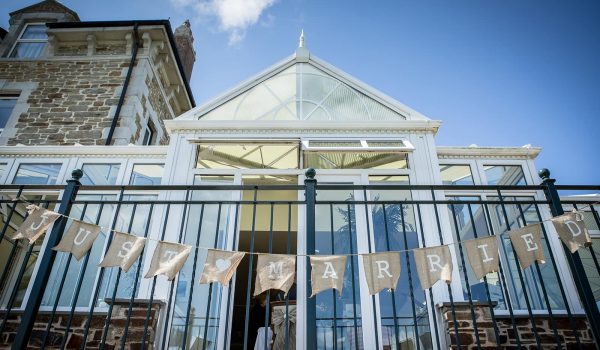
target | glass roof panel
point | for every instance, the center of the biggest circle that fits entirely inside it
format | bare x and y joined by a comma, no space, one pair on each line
315,95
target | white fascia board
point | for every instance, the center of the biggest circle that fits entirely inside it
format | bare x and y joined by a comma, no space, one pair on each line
408,125
84,151
482,152
366,89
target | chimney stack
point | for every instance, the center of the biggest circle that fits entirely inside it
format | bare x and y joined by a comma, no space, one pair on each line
185,46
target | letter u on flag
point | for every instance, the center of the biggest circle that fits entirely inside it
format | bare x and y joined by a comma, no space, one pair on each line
572,231
382,270
79,239
274,271
327,271
527,243
168,259
124,250
36,224
483,255
433,264
220,266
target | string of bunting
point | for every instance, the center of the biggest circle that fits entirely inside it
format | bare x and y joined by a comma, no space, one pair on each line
277,271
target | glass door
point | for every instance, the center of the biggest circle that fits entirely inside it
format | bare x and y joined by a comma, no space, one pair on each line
343,321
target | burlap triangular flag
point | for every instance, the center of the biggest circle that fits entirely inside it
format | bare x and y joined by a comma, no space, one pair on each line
433,264
572,231
78,240
124,250
527,243
327,271
35,224
274,271
168,259
220,266
483,255
382,270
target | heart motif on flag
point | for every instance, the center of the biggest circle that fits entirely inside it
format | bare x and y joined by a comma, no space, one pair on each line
223,264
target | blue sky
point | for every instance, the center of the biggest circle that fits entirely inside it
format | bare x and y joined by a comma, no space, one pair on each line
497,73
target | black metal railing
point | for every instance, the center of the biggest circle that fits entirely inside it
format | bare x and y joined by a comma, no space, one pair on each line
51,300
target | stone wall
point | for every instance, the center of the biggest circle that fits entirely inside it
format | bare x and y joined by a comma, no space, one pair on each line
75,338
73,102
507,340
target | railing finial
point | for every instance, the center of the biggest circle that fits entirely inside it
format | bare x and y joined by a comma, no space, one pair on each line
77,174
544,173
310,173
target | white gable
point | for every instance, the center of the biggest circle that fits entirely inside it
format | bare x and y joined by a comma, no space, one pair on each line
303,88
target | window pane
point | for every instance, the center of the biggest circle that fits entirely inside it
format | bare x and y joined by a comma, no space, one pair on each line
591,269
456,174
38,174
504,175
6,108
355,160
380,143
100,174
28,50
2,168
147,174
248,155
35,31
334,143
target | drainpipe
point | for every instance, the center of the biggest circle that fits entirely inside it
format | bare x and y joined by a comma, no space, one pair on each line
134,51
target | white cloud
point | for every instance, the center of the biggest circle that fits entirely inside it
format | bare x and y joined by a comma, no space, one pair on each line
234,16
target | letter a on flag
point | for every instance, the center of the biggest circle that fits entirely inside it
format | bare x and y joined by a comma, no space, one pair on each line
433,264
483,255
274,271
572,231
527,243
220,266
382,270
168,259
36,224
124,250
327,271
79,239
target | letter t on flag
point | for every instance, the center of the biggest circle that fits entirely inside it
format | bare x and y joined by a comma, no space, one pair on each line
168,259
327,271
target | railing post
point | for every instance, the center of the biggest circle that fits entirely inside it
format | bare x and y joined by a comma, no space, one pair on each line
45,266
584,290
311,307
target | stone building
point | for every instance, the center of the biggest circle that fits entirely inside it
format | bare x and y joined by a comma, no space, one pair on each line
230,174
66,82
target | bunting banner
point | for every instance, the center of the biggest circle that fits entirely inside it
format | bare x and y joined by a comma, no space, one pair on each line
274,271
79,239
220,266
327,272
433,264
382,270
483,255
527,243
168,259
572,231
124,250
36,223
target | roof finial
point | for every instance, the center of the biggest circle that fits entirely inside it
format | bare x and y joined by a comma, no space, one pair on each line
301,44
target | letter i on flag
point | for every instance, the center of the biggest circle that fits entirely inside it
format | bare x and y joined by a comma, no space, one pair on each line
572,231
382,270
327,271
527,243
483,255
124,250
79,239
433,264
168,259
36,224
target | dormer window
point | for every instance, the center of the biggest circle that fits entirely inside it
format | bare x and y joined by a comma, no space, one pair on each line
31,42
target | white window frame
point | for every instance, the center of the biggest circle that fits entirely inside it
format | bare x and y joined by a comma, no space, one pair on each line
21,40
7,95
